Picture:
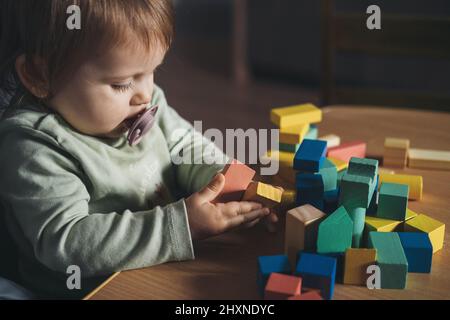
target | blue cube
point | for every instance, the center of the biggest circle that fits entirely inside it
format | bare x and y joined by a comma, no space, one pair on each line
269,264
317,271
310,155
418,250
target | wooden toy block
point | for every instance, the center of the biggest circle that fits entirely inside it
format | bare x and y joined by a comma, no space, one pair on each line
332,140
429,159
363,167
294,135
373,206
310,189
312,133
379,225
268,265
282,286
294,115
339,177
418,250
434,228
390,258
392,201
355,191
358,216
237,178
414,182
395,152
356,263
310,155
312,295
328,172
347,150
285,159
410,214
331,201
263,193
340,165
302,224
289,147
340,257
318,272
335,233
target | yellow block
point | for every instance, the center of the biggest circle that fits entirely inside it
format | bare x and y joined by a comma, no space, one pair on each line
410,214
415,183
302,224
284,158
434,228
379,225
294,115
355,265
331,139
264,193
396,143
340,165
295,134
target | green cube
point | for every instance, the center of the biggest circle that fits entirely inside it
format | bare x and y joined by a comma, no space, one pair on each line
393,201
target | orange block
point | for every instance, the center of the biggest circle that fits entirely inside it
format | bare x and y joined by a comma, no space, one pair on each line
348,150
282,286
237,178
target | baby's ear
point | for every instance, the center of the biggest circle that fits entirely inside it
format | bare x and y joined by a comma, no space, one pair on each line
32,73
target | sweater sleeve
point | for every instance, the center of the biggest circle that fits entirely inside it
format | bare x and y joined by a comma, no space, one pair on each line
43,188
196,158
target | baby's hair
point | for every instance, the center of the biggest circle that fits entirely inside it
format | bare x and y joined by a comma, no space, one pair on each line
38,30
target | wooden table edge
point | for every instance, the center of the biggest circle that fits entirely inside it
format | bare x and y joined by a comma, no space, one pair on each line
101,286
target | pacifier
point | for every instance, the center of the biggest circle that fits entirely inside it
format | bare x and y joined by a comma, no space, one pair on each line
141,125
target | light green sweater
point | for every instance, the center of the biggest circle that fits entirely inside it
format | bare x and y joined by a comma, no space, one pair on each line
74,199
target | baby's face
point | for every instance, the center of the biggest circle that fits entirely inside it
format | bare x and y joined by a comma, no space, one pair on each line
107,89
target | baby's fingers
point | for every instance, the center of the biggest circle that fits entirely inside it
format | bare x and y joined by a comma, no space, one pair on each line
247,217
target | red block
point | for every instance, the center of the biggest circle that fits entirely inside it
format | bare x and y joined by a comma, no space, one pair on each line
282,286
311,295
348,150
237,178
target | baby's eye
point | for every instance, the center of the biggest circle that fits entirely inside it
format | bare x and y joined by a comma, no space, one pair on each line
122,87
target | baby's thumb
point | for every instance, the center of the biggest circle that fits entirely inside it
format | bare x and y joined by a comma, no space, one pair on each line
213,189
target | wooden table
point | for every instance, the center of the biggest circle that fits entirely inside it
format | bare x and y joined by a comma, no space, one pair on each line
226,267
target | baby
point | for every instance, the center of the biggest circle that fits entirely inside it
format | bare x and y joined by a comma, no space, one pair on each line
77,186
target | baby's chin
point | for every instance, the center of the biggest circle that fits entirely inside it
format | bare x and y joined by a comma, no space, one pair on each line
115,133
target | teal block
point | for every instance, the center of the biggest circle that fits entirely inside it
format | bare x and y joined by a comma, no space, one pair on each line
335,233
312,133
340,174
329,175
364,167
393,201
289,147
355,191
358,216
390,258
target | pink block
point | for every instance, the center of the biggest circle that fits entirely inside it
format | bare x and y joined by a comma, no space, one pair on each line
237,178
282,286
348,150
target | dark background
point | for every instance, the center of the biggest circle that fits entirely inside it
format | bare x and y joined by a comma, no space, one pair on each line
284,50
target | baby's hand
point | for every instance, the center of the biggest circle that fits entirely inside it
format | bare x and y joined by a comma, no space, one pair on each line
207,219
